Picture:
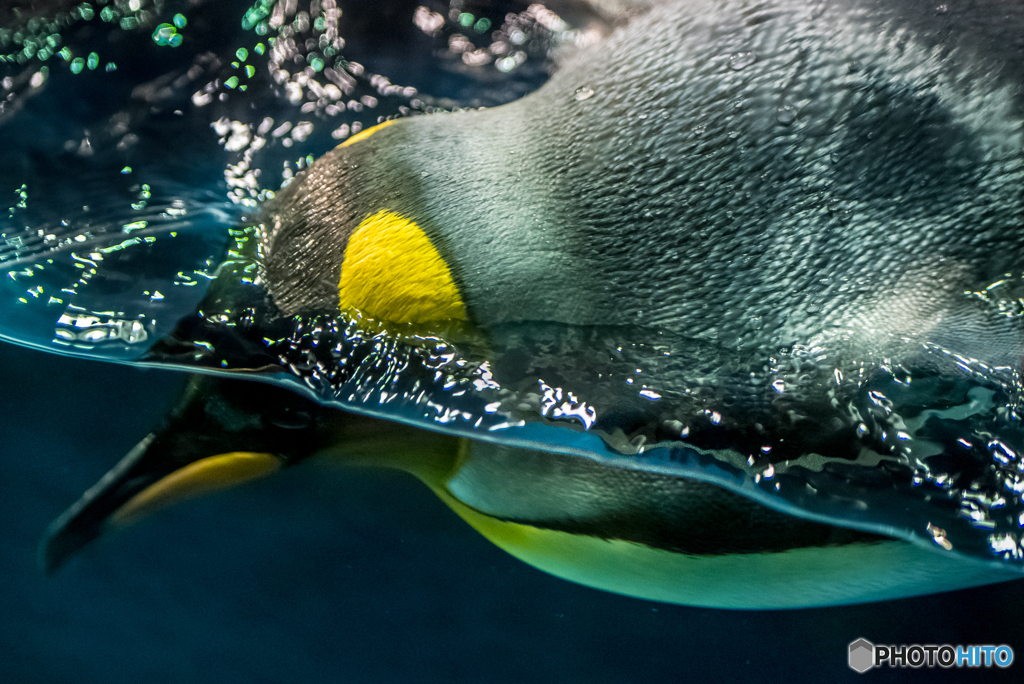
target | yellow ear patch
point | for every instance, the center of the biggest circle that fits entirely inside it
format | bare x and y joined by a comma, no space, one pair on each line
363,135
391,272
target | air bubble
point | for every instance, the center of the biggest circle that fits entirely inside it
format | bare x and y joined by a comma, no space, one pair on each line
583,93
741,60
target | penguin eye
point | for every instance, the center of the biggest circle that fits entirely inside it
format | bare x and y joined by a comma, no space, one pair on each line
393,273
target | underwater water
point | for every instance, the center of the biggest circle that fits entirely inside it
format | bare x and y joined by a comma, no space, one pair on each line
321,574
324,575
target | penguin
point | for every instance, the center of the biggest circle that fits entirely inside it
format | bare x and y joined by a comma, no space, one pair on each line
641,534
725,178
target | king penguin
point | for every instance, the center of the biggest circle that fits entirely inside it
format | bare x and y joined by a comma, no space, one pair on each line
724,170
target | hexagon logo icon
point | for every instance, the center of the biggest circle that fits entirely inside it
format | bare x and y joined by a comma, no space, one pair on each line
862,655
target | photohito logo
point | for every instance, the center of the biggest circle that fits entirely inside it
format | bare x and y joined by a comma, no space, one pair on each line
864,655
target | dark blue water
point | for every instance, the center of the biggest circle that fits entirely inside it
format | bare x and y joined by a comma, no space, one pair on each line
347,575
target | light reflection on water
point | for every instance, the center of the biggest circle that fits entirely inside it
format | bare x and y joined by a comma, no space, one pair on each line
120,215
104,161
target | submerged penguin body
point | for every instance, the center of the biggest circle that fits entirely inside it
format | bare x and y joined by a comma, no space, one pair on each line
648,535
723,242
701,171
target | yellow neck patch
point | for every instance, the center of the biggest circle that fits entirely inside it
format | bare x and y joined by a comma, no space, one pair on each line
391,272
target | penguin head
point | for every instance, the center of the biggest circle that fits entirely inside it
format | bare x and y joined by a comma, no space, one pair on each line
343,238
223,433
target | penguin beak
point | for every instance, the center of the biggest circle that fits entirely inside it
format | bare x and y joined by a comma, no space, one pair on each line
144,482
224,433
217,437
